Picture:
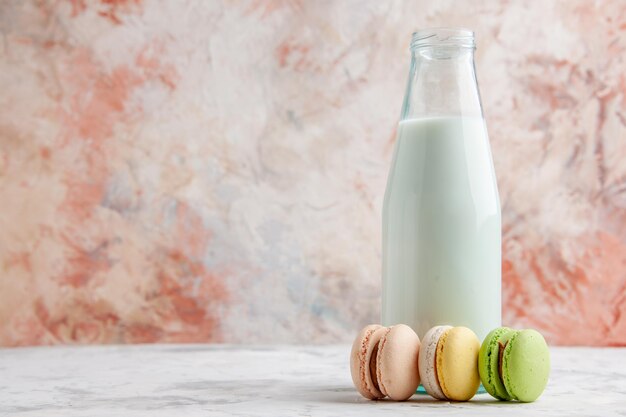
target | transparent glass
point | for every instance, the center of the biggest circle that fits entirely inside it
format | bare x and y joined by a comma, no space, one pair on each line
442,78
441,212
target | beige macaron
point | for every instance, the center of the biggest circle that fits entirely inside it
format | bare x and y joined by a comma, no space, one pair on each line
363,361
397,362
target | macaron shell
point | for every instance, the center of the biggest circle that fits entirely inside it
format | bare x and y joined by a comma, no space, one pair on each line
397,362
488,362
457,363
426,360
364,346
526,365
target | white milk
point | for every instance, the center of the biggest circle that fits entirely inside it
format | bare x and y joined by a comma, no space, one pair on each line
441,228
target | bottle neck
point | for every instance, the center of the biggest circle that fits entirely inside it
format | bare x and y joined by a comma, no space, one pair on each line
442,82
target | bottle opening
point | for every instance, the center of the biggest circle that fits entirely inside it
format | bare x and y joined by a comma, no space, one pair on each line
451,37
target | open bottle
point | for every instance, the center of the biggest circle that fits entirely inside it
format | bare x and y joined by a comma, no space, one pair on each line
441,212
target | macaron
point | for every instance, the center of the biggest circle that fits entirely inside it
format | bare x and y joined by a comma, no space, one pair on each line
514,365
363,361
427,364
384,362
397,362
456,361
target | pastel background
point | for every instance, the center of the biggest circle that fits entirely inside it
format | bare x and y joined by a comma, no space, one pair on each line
203,171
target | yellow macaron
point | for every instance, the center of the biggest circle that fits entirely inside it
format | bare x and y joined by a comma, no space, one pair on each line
457,363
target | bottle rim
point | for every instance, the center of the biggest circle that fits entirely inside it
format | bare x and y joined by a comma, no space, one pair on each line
443,36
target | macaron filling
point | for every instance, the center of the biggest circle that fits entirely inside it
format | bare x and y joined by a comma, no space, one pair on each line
491,362
501,348
437,373
374,367
438,362
379,376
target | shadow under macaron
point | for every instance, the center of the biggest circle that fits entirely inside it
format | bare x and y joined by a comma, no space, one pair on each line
346,395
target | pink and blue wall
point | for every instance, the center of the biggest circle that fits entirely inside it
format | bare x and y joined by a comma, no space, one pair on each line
197,171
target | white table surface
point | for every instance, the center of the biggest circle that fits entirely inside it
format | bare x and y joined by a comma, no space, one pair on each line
217,380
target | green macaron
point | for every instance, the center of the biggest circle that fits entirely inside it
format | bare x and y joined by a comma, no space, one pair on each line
514,365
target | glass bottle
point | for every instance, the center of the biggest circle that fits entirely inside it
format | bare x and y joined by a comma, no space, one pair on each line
441,212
